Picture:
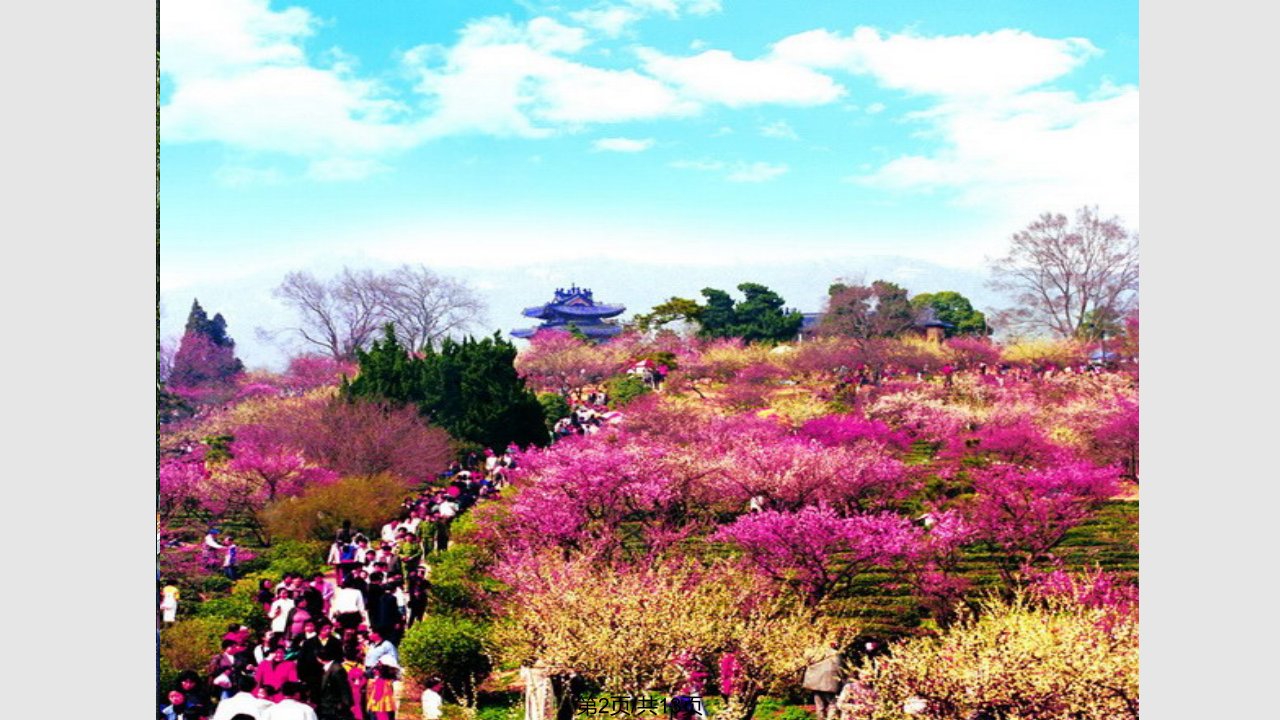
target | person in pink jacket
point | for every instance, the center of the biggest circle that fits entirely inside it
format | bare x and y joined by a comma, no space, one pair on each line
275,671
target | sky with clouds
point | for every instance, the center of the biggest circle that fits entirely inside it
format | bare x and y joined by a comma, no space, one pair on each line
522,144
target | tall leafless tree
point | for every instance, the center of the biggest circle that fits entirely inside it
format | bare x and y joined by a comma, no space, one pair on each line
1060,272
427,307
339,315
345,313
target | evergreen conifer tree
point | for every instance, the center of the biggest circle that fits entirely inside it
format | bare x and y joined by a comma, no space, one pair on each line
207,354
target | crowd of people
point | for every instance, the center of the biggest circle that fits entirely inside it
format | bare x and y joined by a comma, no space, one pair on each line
330,649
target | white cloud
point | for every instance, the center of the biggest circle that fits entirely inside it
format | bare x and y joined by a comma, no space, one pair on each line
875,108
739,171
995,63
717,76
220,38
673,8
238,176
780,129
342,169
510,80
240,77
756,172
611,20
621,144
1031,153
292,109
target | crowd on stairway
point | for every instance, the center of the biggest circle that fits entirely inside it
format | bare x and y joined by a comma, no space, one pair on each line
330,650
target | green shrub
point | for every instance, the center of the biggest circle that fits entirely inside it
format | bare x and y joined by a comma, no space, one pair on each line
190,644
304,558
554,407
767,707
233,608
623,389
213,584
506,706
462,530
795,713
458,580
455,649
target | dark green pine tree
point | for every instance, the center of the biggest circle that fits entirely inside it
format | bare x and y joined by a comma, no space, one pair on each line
469,388
759,317
206,354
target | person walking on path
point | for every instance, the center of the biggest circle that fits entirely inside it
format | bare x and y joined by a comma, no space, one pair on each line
334,700
824,677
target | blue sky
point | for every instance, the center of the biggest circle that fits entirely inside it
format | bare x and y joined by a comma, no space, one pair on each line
530,144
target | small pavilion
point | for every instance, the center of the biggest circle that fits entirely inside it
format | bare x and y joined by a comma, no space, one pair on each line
575,307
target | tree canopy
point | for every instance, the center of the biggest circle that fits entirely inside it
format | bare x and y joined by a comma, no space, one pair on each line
206,354
343,314
758,317
1059,271
672,310
880,309
469,388
954,308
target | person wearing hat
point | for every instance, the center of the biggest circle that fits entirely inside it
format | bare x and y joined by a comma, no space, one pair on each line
212,548
383,691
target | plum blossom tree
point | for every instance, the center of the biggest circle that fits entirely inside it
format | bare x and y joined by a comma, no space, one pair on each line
761,458
842,429
260,470
587,491
367,438
1027,512
307,372
636,627
560,362
818,552
180,480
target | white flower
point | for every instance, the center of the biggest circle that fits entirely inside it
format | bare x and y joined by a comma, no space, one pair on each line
914,706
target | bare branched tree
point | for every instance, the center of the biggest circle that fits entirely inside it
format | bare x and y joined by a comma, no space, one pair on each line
1061,272
346,312
427,307
335,315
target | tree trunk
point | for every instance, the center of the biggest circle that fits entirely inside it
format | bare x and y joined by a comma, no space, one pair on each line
739,707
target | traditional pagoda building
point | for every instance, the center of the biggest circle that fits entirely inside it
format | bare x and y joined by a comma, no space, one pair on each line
576,307
933,328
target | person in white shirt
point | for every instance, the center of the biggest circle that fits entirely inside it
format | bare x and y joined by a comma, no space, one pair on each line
347,608
432,701
279,612
389,531
289,708
243,702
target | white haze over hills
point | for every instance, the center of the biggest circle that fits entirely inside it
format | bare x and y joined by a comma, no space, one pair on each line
247,303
